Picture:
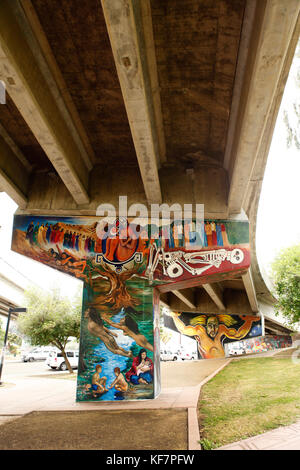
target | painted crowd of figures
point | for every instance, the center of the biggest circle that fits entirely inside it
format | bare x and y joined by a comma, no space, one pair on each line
43,234
212,234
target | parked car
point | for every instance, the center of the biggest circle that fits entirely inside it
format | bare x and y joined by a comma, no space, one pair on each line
186,356
180,355
37,354
55,360
167,356
237,351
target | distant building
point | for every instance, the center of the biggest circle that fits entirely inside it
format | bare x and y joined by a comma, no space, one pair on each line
12,286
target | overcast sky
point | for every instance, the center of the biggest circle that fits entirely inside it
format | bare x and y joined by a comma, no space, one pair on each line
41,275
278,222
278,219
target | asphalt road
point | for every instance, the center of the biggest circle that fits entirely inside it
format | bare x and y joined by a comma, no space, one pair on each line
17,368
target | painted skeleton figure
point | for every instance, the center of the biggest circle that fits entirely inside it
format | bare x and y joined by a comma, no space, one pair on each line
174,263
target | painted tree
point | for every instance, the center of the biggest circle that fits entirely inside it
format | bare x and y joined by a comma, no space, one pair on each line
286,277
117,295
51,319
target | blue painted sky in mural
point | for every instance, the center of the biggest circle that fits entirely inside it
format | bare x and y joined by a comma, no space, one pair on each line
256,331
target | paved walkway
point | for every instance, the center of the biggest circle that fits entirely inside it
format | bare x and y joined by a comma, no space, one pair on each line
283,438
181,384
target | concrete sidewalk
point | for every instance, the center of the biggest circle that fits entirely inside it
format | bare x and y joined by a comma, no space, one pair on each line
181,384
283,438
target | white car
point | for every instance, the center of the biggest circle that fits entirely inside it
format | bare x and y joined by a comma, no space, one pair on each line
237,352
176,356
36,354
55,360
185,356
168,356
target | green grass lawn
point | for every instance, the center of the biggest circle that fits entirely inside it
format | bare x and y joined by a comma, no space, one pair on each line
249,397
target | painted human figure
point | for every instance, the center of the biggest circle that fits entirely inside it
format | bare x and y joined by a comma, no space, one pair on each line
224,235
126,246
119,383
40,237
61,237
219,235
35,233
48,233
122,246
29,232
53,234
97,328
82,243
187,229
210,330
141,371
77,242
208,232
98,382
130,328
45,234
214,234
72,264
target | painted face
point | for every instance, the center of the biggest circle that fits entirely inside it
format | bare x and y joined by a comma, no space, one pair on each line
143,355
212,327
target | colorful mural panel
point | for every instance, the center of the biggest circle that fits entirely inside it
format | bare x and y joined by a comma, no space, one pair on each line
258,345
212,331
119,339
218,247
120,265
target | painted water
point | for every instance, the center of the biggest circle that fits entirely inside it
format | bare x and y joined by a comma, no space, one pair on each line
99,354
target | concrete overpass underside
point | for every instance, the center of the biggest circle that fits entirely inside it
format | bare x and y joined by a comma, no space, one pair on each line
162,101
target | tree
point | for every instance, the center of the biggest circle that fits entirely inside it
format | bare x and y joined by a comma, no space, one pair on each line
50,319
13,340
2,333
286,277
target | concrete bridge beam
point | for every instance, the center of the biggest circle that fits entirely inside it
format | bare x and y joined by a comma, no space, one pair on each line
32,87
130,32
269,41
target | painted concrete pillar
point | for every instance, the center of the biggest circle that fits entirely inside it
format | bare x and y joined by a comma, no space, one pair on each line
123,268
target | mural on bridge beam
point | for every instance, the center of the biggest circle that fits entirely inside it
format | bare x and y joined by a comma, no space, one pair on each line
212,332
119,343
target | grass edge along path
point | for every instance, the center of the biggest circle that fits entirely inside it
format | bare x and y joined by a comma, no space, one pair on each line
247,398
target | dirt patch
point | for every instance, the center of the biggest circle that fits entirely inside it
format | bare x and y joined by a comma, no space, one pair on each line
97,430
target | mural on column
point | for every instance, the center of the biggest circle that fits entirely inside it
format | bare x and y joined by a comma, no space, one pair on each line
119,342
212,331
